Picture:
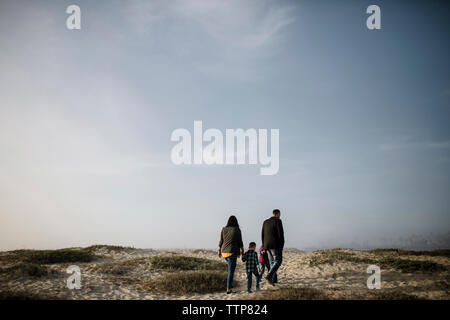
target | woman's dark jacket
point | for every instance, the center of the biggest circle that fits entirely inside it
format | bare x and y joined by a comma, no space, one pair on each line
231,240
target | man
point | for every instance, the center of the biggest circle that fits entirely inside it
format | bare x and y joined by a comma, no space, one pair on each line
273,242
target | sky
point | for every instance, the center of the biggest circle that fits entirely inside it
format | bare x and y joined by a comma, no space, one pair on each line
86,118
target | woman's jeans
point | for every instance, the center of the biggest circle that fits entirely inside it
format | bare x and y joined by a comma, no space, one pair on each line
275,258
231,267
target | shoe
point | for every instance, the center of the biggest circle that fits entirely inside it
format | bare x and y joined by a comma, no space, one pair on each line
249,291
270,280
228,291
258,288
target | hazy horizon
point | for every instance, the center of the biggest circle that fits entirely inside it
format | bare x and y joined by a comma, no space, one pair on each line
86,118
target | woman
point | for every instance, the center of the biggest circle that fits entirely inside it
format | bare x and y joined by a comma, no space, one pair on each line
230,246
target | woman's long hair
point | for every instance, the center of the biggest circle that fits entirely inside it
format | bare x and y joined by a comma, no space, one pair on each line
232,222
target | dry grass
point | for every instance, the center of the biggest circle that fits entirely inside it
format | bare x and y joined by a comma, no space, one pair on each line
401,252
186,263
96,247
410,266
293,294
203,251
189,282
25,295
113,268
404,265
26,269
390,295
335,256
48,256
121,268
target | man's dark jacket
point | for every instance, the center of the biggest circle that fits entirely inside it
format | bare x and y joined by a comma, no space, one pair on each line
272,234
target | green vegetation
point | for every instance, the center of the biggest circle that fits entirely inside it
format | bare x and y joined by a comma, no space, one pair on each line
409,266
336,255
390,295
404,265
189,282
401,252
24,295
120,268
186,263
113,268
26,269
292,293
204,251
96,247
48,256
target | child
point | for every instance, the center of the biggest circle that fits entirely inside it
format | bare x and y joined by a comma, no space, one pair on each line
251,266
263,261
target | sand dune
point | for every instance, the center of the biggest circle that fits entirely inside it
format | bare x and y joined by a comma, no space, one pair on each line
338,274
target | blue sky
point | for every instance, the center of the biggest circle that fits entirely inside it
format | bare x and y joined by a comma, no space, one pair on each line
86,117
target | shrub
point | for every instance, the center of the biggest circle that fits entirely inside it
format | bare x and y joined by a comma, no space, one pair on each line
186,263
26,269
33,270
409,266
391,295
432,253
292,293
189,282
403,265
49,256
24,295
96,247
334,256
113,268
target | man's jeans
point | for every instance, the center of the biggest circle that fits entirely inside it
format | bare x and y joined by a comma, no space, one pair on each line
231,267
275,258
249,280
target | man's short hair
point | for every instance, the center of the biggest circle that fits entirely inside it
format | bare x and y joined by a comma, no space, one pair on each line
252,244
276,211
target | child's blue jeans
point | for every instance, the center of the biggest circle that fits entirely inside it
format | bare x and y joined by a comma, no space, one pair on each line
249,279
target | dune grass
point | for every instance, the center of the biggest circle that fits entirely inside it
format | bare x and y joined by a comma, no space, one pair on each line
335,256
292,293
404,265
390,295
123,267
189,282
96,247
26,269
186,263
402,252
48,256
66,255
113,268
25,295
410,266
